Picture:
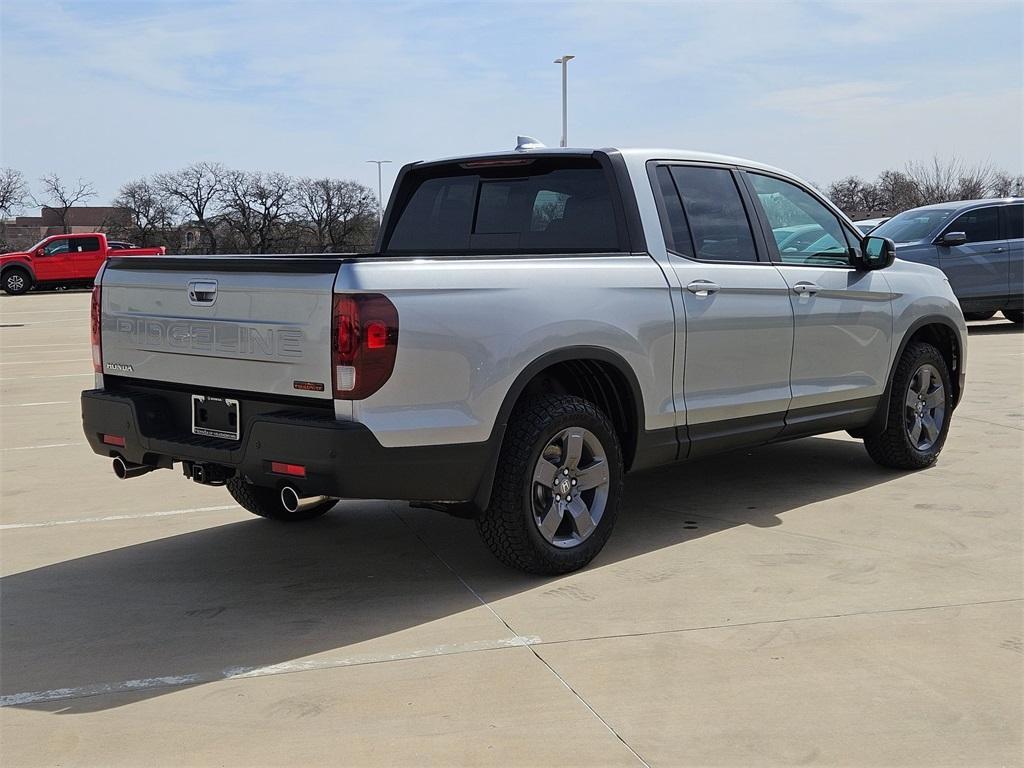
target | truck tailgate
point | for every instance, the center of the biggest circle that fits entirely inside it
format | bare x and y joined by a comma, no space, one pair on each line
245,324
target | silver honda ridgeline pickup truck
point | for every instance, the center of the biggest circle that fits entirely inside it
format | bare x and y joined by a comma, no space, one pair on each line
532,326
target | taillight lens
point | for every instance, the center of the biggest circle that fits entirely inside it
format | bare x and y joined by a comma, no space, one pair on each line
365,331
94,320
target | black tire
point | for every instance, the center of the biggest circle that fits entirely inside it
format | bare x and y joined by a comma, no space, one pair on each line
974,316
17,281
895,447
1014,315
508,526
266,502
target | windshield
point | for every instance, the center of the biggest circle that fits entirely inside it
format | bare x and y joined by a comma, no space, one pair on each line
914,225
37,245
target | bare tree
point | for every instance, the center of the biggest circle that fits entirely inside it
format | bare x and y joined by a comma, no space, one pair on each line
13,191
62,197
898,192
151,212
335,213
1006,185
256,206
940,181
846,193
197,190
314,200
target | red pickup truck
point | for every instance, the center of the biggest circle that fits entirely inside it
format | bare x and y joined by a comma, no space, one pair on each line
62,260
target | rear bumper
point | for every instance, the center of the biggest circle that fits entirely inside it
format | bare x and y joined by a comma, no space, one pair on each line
341,459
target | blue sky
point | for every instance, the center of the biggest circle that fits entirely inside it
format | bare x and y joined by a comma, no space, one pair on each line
111,91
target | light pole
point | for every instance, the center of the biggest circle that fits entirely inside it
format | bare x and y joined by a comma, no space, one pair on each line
380,198
564,61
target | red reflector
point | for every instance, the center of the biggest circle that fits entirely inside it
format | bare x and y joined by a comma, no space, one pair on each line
114,440
376,335
280,468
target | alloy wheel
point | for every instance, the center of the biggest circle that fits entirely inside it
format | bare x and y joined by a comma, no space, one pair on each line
570,487
925,407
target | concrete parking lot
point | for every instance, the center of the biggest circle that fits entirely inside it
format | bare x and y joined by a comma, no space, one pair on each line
794,604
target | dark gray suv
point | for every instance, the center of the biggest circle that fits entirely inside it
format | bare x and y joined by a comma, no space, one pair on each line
979,244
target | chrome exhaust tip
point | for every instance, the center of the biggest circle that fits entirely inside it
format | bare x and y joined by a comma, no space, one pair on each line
125,469
293,503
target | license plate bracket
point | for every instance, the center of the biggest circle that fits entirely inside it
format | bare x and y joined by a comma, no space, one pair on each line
215,417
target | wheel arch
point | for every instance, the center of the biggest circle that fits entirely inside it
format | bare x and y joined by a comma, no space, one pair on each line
18,265
596,374
942,333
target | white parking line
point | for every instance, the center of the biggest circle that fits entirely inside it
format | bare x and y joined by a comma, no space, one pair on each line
37,447
55,321
27,405
109,518
288,667
57,376
38,362
38,346
4,313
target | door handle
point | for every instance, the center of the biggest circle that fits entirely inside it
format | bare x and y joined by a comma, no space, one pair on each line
702,287
998,250
805,288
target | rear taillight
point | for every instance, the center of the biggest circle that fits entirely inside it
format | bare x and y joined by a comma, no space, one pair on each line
94,321
365,343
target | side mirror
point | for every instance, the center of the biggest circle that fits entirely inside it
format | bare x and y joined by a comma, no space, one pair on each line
877,252
40,252
953,238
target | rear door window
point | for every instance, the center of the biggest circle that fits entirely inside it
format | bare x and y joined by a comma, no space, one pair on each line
1013,222
541,206
715,214
87,244
676,230
980,225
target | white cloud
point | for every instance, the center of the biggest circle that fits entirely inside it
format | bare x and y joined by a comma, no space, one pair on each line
317,88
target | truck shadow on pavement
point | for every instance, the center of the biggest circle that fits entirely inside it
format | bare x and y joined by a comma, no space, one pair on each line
255,593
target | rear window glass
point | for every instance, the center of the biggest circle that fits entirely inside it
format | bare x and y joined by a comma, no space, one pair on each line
562,206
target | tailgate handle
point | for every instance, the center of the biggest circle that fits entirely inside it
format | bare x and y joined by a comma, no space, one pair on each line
202,293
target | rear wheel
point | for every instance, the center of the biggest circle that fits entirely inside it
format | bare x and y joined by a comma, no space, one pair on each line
16,281
920,405
1014,315
558,487
266,502
979,315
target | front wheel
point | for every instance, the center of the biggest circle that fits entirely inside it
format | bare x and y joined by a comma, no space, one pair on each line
266,502
16,281
558,486
920,404
1014,315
